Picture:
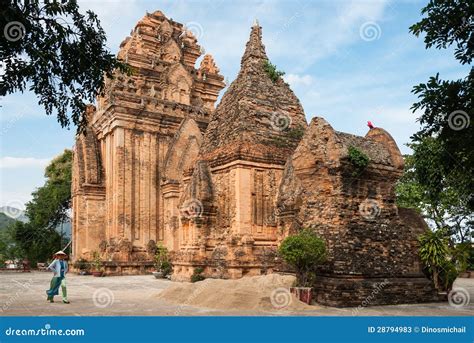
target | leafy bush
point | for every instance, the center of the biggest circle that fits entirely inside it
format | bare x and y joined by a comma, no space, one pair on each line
161,256
462,255
358,159
434,253
447,274
82,264
272,71
166,268
97,261
197,275
162,262
470,260
304,252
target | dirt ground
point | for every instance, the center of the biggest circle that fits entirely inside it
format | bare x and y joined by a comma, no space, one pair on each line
23,294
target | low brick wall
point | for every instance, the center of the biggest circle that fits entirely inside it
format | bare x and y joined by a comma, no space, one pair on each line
347,291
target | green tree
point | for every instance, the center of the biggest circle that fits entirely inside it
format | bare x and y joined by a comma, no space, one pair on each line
37,244
57,52
448,106
426,188
8,247
51,202
304,252
38,238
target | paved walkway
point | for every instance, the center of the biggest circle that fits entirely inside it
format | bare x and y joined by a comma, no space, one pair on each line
23,294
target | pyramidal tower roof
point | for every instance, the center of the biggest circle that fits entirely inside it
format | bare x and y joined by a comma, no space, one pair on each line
258,118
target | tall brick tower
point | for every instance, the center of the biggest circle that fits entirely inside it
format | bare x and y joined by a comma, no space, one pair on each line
253,131
119,163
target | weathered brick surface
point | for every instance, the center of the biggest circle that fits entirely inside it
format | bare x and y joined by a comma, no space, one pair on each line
355,212
123,160
248,140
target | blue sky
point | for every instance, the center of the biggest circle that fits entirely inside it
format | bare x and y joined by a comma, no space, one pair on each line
347,61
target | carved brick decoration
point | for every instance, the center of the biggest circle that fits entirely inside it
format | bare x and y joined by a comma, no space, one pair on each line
221,188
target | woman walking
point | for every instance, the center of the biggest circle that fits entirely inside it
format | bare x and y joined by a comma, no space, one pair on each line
60,268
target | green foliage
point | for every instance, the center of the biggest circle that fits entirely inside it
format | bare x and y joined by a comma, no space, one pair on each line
290,135
5,221
470,259
197,275
358,159
436,195
433,248
97,261
8,248
51,202
444,262
447,107
461,256
295,133
60,55
433,252
162,262
408,189
304,252
82,264
447,275
442,33
166,268
272,71
38,239
35,243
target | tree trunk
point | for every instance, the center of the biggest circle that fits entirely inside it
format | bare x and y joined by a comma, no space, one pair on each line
435,278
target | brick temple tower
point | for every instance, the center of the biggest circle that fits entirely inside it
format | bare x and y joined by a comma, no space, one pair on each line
254,129
372,244
119,162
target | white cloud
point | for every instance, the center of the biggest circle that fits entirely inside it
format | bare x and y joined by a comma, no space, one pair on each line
16,199
23,162
296,80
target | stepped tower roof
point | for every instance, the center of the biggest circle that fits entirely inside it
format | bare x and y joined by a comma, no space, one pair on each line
258,119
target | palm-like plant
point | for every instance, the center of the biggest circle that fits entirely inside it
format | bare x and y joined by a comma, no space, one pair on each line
434,252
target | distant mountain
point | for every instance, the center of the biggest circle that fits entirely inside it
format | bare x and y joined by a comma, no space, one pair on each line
10,214
5,221
14,213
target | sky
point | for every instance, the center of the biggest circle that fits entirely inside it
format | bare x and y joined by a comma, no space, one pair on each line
347,61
